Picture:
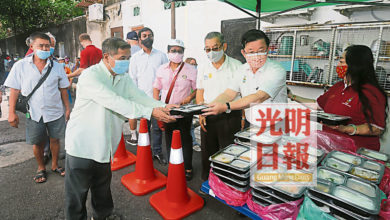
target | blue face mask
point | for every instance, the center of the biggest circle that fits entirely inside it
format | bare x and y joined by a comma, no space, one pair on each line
63,64
51,50
121,66
42,54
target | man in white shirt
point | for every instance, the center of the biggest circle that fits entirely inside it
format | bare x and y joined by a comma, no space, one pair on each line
213,78
46,105
142,69
260,80
106,96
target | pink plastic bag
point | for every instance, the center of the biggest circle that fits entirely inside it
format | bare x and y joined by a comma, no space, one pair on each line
329,142
231,196
385,209
286,211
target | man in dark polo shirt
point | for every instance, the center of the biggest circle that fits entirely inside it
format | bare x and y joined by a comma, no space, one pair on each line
91,55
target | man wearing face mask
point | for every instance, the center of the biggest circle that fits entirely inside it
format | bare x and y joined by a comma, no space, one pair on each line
213,78
46,114
91,55
260,80
105,98
175,80
142,69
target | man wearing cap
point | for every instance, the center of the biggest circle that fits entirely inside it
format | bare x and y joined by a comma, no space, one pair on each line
132,39
182,78
215,77
142,69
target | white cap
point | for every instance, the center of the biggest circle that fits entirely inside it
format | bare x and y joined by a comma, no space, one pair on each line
176,42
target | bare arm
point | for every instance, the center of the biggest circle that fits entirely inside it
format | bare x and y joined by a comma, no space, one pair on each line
199,96
219,104
362,129
156,94
226,96
76,73
200,100
302,100
65,100
13,118
189,98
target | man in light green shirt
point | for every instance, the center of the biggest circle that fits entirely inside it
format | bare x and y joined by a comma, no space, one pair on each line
106,97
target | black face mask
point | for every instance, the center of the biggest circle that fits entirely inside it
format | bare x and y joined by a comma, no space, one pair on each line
148,42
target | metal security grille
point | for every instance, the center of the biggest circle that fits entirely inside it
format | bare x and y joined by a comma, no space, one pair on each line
310,54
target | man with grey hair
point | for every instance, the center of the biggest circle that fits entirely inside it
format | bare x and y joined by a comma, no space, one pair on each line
213,79
106,96
52,43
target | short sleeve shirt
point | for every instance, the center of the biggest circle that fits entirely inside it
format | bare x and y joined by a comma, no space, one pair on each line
91,55
186,80
344,100
271,79
46,101
143,67
215,81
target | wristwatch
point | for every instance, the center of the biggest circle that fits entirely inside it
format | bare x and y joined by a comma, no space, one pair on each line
228,110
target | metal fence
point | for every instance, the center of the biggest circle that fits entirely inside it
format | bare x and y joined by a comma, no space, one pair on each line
310,54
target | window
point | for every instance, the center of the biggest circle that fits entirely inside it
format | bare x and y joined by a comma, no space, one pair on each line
136,11
167,5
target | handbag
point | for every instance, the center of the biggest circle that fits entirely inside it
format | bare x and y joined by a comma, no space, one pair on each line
22,101
161,124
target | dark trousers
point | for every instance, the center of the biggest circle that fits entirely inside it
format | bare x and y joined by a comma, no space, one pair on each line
184,125
220,133
83,175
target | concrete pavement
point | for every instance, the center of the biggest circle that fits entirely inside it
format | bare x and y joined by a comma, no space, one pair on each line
21,198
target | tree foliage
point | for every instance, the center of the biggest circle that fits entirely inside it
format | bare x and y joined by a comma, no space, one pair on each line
21,16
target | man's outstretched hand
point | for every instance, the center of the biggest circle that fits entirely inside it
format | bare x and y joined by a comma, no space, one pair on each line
162,114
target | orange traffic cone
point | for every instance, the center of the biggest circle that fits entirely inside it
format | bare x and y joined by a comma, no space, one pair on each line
122,157
176,201
145,178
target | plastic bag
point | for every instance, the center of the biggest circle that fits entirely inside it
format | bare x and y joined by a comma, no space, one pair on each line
309,210
231,196
328,142
275,212
385,209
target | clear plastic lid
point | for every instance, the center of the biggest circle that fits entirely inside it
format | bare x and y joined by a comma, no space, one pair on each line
361,187
330,176
224,158
338,165
354,197
349,158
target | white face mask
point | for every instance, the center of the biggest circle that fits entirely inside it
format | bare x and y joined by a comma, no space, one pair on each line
256,60
215,56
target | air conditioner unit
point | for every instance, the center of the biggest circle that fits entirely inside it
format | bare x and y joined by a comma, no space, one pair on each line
96,12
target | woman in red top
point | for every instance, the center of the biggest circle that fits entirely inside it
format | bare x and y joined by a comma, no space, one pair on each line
358,96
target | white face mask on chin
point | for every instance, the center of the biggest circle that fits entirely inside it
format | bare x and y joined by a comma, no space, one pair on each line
215,56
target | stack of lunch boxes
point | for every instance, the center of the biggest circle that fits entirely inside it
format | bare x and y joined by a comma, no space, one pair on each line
232,165
270,195
347,186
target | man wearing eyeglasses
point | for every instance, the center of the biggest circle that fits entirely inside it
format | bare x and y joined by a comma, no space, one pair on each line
260,80
213,79
142,69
